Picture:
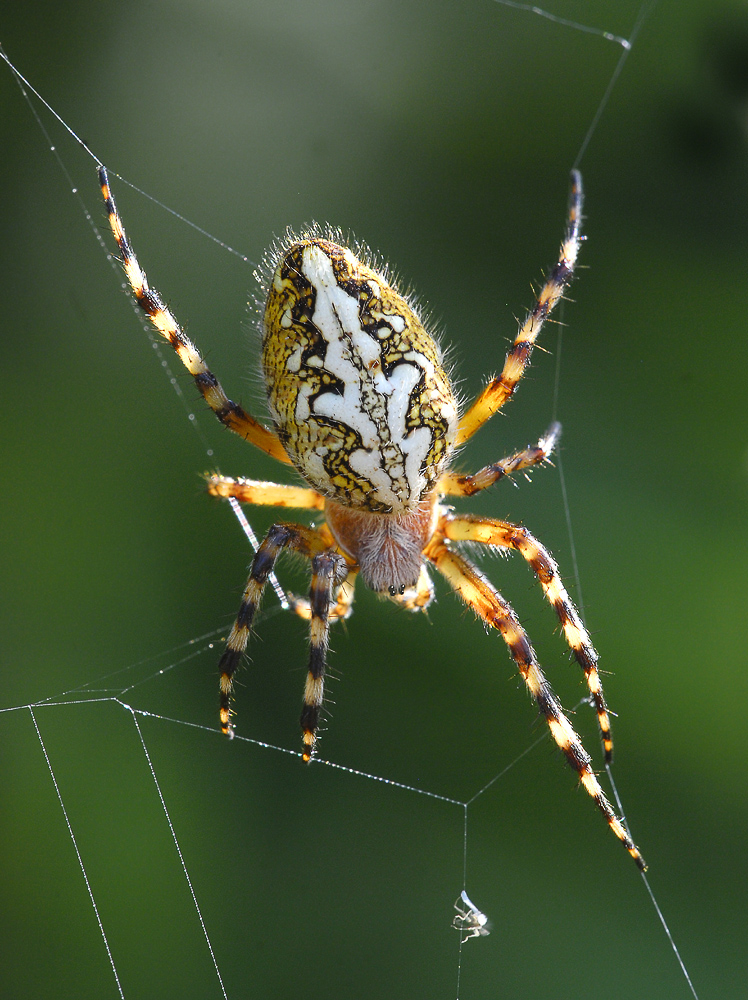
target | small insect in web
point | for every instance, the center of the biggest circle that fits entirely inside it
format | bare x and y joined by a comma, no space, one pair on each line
363,408
469,920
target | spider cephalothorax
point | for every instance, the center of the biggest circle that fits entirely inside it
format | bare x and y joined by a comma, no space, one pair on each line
364,410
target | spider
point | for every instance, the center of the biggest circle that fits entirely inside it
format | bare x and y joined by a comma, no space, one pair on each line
363,409
469,920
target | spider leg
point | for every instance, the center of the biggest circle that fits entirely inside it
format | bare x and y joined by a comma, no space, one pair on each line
305,541
479,594
341,609
229,413
455,484
328,568
503,534
258,492
500,389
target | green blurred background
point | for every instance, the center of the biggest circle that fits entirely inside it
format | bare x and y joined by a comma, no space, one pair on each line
441,133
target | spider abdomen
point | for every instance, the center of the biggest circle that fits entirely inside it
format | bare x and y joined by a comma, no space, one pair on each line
355,383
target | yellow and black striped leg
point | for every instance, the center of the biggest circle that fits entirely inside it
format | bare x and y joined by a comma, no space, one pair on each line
505,535
456,485
342,607
256,491
328,570
500,389
305,541
229,413
479,594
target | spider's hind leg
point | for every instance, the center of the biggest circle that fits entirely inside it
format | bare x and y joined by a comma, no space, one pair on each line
229,413
501,388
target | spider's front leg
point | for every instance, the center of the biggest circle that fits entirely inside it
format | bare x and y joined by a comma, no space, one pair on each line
479,594
257,491
341,607
328,569
503,534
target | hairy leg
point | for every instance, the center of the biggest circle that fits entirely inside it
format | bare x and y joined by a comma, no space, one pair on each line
479,594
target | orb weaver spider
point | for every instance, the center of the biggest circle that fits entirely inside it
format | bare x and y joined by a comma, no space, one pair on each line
364,410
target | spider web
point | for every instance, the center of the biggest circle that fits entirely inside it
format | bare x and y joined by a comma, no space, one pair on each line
226,865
